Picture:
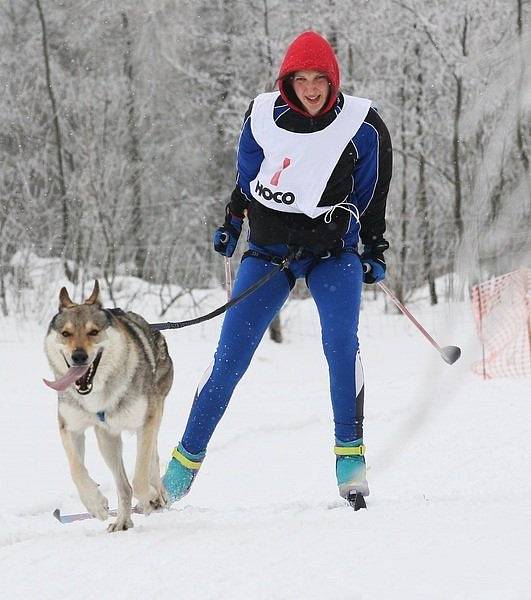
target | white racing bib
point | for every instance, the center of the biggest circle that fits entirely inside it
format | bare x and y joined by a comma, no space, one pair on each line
297,166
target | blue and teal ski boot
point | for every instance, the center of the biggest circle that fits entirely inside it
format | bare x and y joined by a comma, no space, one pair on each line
351,472
181,472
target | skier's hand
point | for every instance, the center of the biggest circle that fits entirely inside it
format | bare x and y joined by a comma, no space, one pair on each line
373,261
226,236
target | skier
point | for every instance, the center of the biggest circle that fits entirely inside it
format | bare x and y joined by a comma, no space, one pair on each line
314,167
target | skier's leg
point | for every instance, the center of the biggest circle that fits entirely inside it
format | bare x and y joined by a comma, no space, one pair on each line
336,284
243,328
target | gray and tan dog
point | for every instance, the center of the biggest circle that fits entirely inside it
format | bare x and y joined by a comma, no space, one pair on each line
113,373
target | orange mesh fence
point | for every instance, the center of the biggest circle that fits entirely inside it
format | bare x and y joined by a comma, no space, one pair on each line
502,311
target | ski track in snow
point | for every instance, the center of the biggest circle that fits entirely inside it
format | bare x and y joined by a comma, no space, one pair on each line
448,516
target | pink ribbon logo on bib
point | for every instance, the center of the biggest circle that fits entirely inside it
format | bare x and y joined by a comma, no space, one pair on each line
285,164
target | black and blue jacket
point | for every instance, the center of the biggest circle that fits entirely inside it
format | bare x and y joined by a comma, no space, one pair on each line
361,176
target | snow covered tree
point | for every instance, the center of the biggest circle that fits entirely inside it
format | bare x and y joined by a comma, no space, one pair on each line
120,122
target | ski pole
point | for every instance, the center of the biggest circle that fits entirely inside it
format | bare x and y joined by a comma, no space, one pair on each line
228,277
228,269
449,353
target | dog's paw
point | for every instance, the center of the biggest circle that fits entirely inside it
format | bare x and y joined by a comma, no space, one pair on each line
159,500
121,524
95,502
155,499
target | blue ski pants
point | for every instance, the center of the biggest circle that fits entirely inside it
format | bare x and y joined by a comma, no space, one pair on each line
335,284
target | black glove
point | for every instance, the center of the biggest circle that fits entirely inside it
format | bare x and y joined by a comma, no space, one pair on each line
226,236
373,261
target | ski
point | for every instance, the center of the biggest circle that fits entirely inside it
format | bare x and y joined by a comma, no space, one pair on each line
71,518
356,500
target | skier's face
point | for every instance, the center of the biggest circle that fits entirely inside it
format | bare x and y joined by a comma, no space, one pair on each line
311,88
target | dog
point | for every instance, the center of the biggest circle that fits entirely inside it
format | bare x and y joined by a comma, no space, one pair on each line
113,373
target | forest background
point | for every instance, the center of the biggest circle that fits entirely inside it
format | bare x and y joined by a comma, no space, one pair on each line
119,123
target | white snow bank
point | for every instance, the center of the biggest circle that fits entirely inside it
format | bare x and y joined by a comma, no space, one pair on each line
449,454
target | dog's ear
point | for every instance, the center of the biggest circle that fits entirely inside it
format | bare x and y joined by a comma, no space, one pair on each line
94,298
64,300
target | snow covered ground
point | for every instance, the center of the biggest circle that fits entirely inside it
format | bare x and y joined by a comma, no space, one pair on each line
449,514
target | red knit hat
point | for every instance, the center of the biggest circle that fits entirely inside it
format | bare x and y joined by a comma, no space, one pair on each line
308,52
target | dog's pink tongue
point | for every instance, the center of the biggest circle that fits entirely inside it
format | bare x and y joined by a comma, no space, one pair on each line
73,374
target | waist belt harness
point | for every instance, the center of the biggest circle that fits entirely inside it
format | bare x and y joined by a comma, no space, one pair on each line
299,254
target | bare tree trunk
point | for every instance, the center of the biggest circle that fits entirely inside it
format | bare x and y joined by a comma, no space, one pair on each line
422,192
401,284
520,133
521,145
134,154
275,329
4,266
267,38
350,62
497,192
456,155
332,33
3,299
223,157
58,146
